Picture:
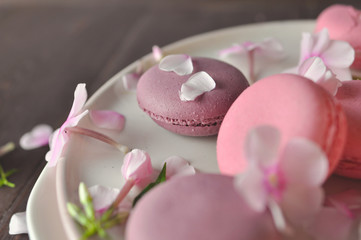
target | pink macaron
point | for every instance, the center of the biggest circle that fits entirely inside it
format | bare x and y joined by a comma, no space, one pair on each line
158,94
343,23
349,96
198,207
295,105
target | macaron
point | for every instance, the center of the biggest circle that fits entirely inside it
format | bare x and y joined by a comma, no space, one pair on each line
343,23
158,94
197,207
295,105
349,96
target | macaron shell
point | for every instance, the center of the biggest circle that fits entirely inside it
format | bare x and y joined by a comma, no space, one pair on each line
295,105
198,207
158,95
349,96
343,23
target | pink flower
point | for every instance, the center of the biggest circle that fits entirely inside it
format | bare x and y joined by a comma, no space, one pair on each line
60,136
286,181
268,49
337,55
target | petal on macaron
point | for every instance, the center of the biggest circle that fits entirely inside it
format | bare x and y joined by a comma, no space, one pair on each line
181,64
196,85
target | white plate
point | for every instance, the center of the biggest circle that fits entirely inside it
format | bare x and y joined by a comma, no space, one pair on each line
93,162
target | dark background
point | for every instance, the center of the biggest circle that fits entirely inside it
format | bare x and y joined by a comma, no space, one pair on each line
47,47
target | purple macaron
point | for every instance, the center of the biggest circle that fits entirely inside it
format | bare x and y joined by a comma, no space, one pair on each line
159,95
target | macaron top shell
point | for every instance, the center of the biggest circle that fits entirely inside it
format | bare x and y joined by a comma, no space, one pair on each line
198,207
295,105
158,94
349,96
343,23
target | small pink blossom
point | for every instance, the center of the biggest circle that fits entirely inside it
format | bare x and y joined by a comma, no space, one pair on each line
315,69
286,181
136,167
269,48
37,137
177,166
337,55
60,137
107,119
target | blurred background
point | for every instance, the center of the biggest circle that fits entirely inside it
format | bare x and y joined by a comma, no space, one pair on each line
47,47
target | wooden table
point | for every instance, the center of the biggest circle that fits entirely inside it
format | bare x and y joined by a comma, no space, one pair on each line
47,47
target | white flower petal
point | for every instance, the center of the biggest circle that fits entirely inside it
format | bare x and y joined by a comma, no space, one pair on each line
130,81
80,97
261,145
18,224
177,166
37,137
196,85
181,64
339,54
107,119
304,163
313,68
250,186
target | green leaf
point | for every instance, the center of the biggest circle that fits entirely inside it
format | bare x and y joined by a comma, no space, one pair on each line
161,178
3,177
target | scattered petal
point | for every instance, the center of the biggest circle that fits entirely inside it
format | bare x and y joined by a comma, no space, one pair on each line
177,166
157,53
136,166
130,81
262,145
198,84
181,64
107,119
37,137
18,223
